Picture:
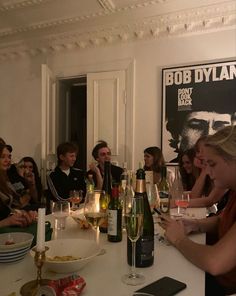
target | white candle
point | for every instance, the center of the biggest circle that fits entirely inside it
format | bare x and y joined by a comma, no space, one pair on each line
41,230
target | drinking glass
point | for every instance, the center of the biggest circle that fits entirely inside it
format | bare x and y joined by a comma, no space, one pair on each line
153,196
182,202
60,211
75,198
133,211
93,212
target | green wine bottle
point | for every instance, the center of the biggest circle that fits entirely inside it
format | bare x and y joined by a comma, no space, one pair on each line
163,188
114,216
145,244
106,194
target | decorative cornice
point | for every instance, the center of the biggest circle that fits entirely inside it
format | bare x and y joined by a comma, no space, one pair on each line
16,4
194,21
109,8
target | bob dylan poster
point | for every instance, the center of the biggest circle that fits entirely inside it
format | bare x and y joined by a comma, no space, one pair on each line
197,100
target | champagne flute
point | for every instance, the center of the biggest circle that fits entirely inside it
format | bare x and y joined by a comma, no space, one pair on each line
133,211
93,212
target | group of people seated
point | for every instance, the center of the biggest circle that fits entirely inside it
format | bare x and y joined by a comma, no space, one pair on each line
208,171
20,189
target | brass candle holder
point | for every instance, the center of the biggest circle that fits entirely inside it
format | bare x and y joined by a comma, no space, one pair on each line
31,288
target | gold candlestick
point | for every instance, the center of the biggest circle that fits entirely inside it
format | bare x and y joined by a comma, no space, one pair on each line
31,288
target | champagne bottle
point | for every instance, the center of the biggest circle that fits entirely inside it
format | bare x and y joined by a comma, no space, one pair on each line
163,188
145,244
114,217
106,194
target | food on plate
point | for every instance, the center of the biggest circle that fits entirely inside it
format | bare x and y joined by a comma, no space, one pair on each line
62,258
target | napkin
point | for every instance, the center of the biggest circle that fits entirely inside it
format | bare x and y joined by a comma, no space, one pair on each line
72,285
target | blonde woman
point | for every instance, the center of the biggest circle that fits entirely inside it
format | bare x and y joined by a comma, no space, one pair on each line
218,260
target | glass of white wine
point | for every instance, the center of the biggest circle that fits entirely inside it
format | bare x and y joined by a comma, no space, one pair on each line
92,211
133,212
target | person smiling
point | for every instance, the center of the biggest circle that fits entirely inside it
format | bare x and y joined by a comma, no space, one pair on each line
65,177
219,259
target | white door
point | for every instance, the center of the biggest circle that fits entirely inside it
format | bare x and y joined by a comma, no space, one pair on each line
48,124
106,113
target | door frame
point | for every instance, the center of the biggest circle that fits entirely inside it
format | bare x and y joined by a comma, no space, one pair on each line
128,65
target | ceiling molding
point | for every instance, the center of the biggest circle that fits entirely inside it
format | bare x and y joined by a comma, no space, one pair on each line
186,22
16,4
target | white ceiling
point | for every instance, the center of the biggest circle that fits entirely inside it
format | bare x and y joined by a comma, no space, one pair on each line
36,26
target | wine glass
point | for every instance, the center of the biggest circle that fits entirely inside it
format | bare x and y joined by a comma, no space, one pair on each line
75,198
93,212
133,211
182,202
60,211
153,196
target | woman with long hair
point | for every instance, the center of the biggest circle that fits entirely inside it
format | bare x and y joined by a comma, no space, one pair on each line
188,171
153,161
219,259
30,172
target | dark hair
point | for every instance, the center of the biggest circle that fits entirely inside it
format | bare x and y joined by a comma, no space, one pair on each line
38,183
101,144
64,148
188,180
158,158
9,147
3,175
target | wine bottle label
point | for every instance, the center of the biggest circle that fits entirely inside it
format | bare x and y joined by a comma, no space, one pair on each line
164,201
145,251
112,222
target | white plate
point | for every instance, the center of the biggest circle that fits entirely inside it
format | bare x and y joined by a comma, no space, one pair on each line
84,250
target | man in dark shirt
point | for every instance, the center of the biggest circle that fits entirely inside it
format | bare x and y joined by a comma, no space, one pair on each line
101,153
65,177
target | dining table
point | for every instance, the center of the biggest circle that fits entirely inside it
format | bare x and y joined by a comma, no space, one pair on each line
103,274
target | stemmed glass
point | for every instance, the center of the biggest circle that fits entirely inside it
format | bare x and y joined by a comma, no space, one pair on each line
60,211
92,211
75,198
133,212
153,196
182,202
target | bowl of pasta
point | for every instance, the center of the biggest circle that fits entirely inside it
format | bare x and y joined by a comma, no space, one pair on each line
69,255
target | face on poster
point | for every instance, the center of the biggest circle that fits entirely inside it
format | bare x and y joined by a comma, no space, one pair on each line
198,100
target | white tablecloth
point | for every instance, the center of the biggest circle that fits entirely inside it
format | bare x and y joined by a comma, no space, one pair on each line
103,274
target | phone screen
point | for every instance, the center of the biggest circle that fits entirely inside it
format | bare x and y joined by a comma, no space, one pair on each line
165,286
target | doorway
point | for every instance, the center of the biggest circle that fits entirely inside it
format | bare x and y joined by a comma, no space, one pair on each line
72,119
104,98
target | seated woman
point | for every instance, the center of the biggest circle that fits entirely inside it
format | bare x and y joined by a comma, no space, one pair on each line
219,259
188,171
27,168
204,193
10,213
154,160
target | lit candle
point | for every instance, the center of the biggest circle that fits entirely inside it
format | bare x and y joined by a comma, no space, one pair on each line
41,230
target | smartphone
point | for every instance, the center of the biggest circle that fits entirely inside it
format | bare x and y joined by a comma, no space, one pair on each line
165,286
157,211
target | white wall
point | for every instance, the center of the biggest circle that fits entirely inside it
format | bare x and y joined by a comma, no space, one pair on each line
20,83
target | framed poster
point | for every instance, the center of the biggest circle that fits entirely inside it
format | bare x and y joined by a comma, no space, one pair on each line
197,100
